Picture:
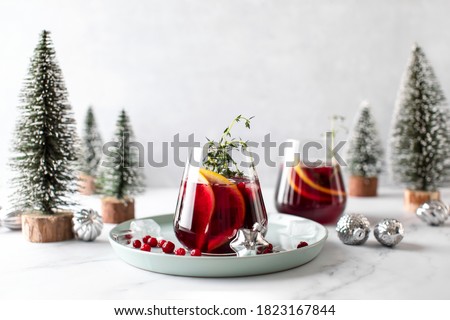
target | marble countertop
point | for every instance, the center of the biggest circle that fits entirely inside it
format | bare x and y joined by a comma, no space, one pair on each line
417,268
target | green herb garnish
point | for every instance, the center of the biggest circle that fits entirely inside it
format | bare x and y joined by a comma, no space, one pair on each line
218,157
336,125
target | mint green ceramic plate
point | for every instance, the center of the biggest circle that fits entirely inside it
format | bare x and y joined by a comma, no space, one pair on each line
284,231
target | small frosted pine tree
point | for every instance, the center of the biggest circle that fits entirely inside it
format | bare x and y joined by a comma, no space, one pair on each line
120,174
365,154
420,136
91,146
45,138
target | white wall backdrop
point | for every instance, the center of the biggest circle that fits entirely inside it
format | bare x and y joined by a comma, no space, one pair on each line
191,66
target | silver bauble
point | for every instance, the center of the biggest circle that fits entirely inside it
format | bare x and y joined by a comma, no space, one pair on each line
12,220
353,229
433,212
389,232
87,224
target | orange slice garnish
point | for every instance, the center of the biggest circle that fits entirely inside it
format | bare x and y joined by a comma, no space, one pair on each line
301,191
314,185
204,204
214,177
233,196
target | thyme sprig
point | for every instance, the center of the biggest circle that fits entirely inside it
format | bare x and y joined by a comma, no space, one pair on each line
337,124
219,154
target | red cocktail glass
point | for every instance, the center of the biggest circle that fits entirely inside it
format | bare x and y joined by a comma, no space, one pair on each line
212,207
314,192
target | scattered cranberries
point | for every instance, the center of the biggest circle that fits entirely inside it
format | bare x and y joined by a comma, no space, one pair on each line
128,236
168,247
161,243
196,253
302,244
268,249
153,242
136,244
180,252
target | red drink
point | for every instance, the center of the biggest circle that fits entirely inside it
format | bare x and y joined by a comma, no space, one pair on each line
210,211
313,193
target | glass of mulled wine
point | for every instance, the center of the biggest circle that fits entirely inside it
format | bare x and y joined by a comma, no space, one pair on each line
213,206
314,191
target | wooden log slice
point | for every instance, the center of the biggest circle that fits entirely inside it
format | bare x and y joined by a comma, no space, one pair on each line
86,184
38,227
413,198
362,186
117,211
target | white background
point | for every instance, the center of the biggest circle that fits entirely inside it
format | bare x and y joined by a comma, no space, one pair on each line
191,66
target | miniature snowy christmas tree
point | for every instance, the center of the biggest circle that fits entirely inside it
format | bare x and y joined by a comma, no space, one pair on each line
91,153
420,136
45,149
364,158
121,176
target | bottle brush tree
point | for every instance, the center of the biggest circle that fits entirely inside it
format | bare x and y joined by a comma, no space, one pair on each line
91,153
420,136
44,148
121,174
365,154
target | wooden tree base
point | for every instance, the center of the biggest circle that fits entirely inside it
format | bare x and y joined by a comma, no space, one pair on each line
38,227
86,184
362,186
413,199
117,211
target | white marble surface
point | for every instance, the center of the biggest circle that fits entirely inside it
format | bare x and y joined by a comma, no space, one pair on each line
418,268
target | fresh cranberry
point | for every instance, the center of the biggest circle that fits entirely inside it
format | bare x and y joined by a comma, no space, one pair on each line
302,244
241,185
161,243
196,253
168,247
146,247
136,244
180,252
128,236
145,239
268,249
153,242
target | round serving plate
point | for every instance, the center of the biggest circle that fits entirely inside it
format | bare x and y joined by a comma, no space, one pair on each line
284,231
